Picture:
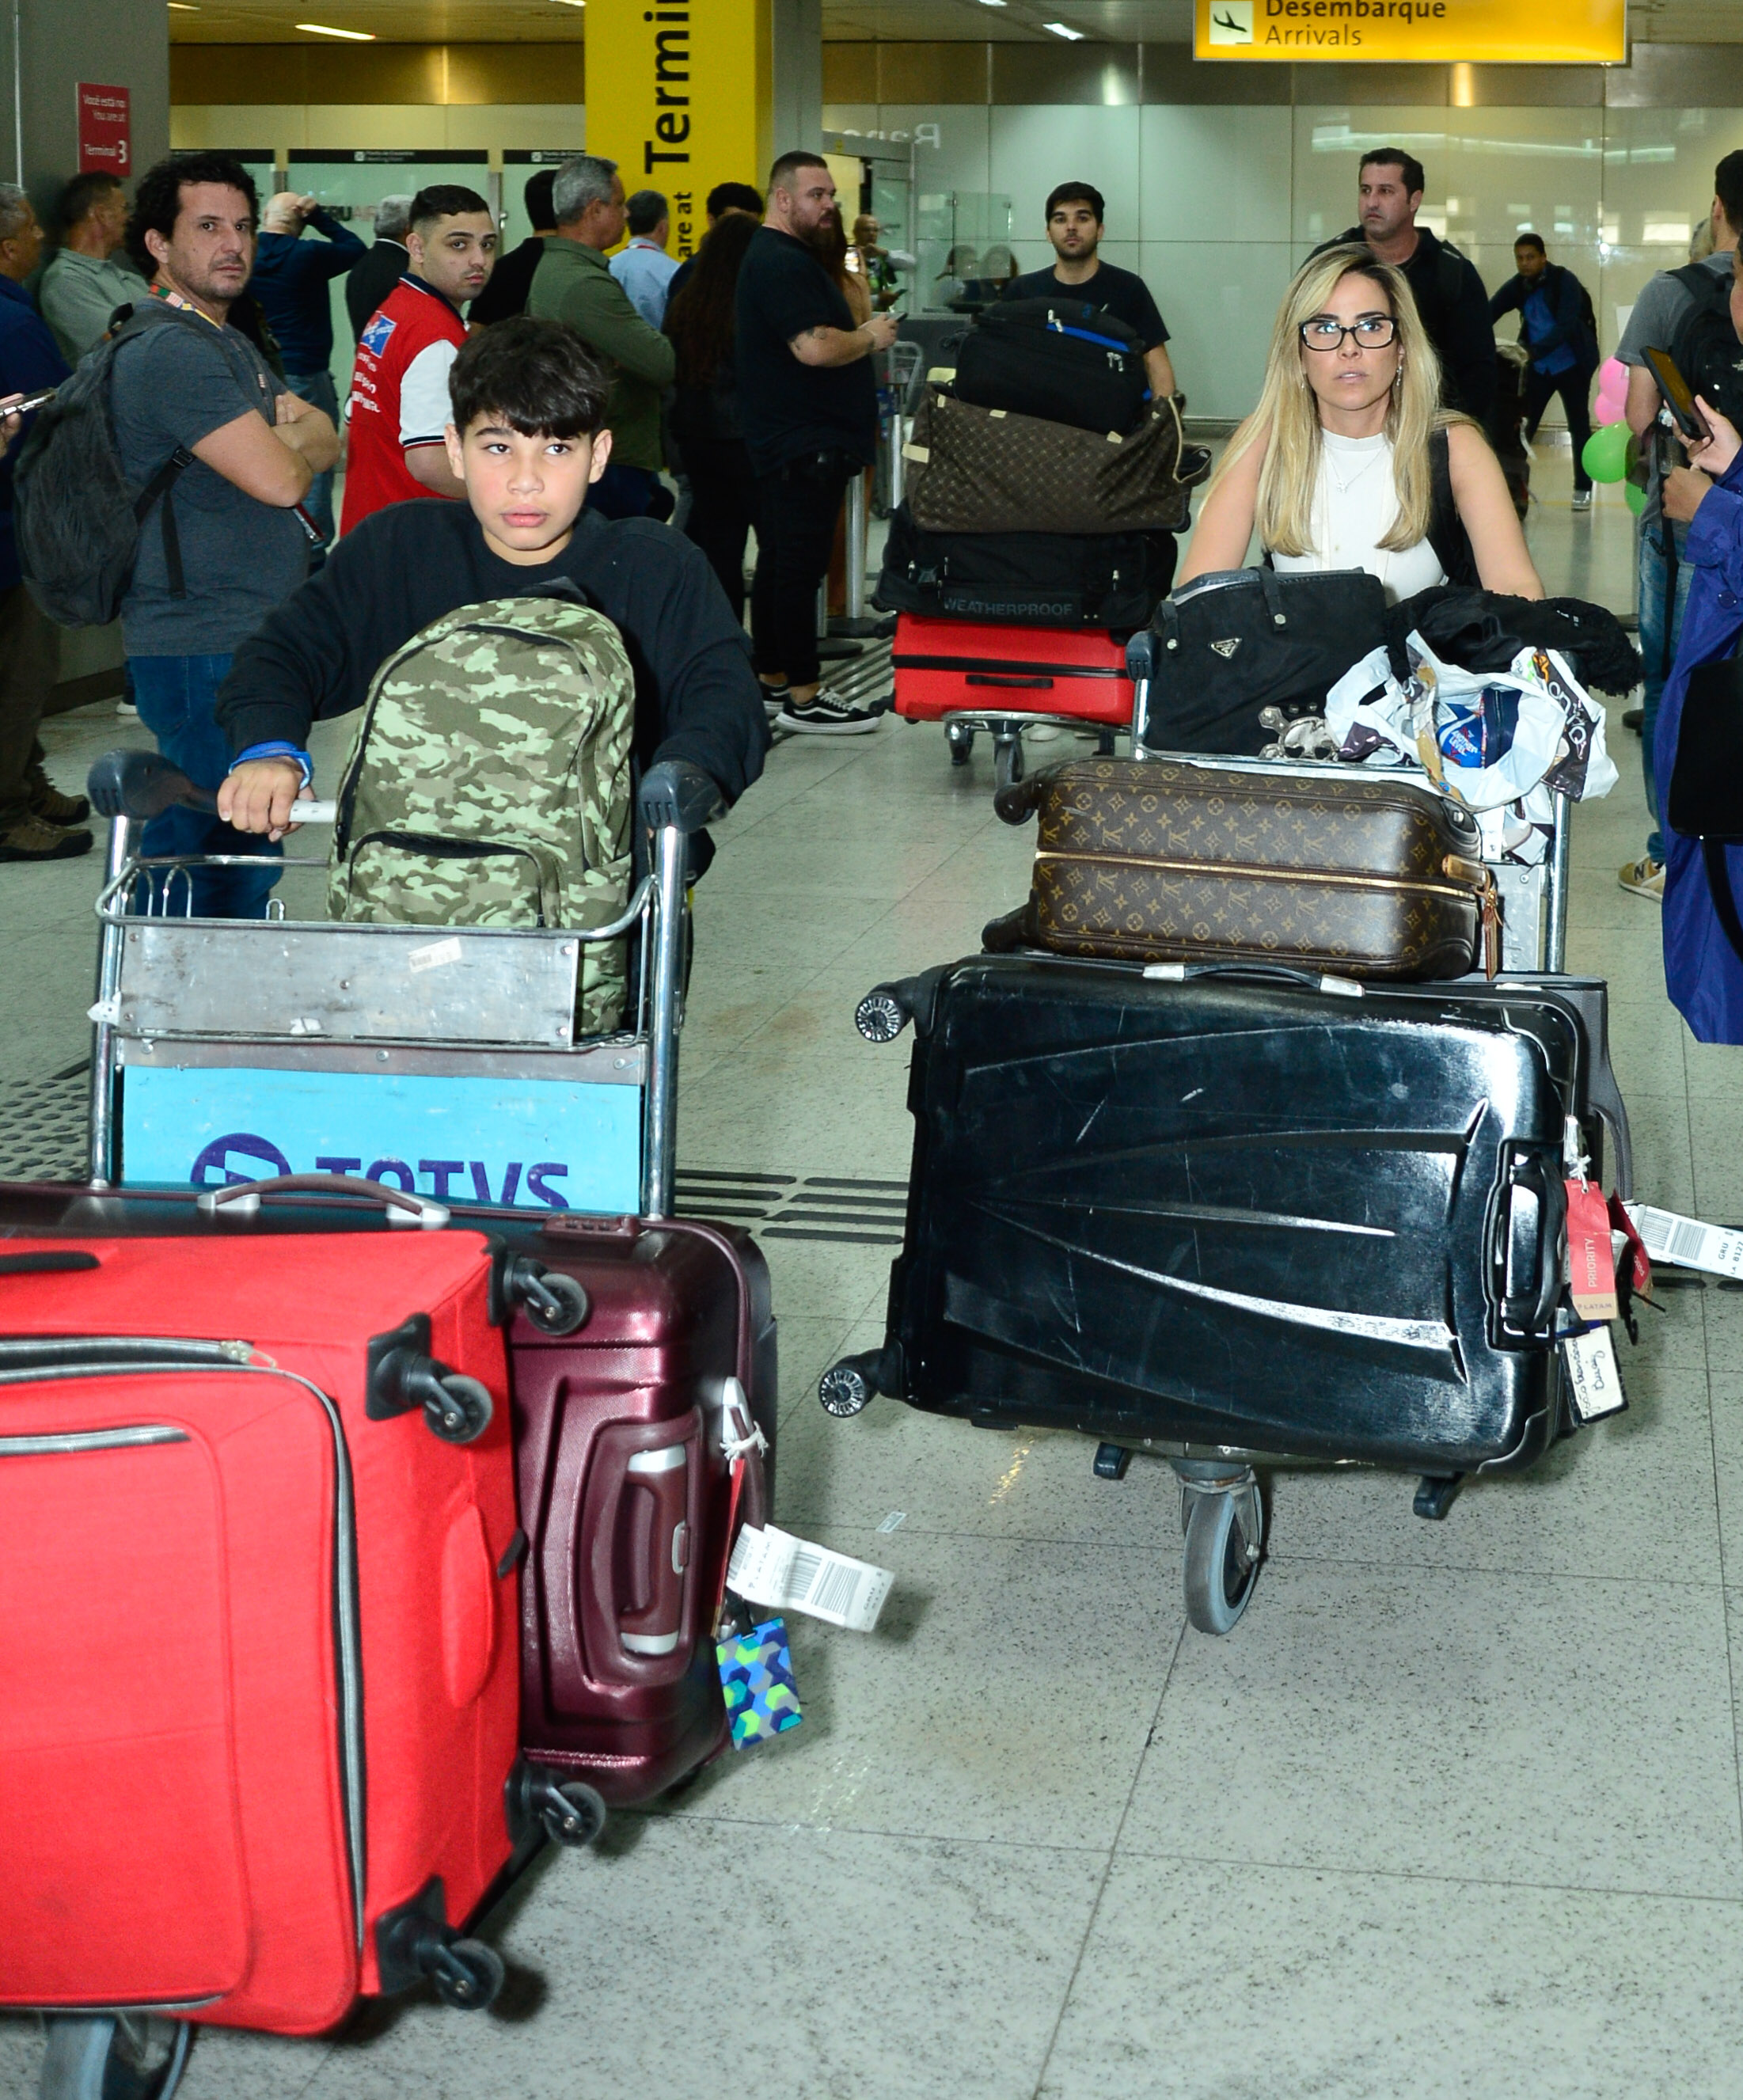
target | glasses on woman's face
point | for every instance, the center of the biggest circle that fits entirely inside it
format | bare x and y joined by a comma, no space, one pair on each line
1372,332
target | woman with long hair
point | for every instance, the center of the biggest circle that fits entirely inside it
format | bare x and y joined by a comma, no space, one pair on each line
705,405
1349,461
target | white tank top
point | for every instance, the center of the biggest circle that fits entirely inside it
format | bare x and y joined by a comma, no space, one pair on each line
1355,502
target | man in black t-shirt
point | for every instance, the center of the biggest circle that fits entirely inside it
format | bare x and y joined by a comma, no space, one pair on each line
1074,216
807,402
511,281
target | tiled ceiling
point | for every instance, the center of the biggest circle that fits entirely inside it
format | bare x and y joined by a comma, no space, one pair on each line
901,21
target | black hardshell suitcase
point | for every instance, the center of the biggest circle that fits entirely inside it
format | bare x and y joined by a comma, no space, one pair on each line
1227,1212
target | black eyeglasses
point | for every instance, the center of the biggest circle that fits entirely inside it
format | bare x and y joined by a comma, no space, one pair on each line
1372,332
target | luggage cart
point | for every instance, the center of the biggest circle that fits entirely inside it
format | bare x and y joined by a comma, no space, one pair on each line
1222,1504
408,1054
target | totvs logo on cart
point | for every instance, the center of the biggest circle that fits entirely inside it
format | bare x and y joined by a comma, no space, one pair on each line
479,1181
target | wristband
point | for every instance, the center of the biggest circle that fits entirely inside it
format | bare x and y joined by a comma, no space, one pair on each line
278,749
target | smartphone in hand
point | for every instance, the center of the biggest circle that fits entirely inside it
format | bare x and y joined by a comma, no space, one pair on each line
1677,398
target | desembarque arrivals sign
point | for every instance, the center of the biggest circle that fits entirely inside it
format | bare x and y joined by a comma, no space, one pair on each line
1414,32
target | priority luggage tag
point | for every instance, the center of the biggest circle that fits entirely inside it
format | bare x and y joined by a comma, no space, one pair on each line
1591,1260
757,1678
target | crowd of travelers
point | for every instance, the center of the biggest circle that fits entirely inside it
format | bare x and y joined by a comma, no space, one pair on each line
727,393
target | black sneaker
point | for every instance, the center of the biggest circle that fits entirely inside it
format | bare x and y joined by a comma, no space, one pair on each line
829,713
774,700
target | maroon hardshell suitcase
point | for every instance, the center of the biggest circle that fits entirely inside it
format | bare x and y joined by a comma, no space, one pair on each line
626,1495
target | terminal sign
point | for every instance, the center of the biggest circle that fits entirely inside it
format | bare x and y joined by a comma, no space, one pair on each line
103,131
1413,31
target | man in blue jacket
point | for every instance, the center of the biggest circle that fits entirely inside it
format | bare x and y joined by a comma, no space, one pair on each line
290,281
1552,306
37,821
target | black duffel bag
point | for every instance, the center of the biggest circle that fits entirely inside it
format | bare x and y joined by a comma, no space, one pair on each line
1028,579
1063,360
1230,644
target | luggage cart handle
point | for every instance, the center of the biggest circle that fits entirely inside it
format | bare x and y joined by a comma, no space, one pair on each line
142,784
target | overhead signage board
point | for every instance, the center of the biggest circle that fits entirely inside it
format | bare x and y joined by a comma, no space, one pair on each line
104,128
1412,32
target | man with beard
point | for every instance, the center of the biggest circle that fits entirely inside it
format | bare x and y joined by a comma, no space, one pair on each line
189,391
808,402
1075,214
1449,293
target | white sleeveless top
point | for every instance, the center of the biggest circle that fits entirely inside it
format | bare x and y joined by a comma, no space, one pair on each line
1355,500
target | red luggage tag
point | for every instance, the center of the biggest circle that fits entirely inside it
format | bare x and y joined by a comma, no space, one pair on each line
740,1440
1592,1262
1640,1262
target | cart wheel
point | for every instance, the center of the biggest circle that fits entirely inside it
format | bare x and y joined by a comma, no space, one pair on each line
1008,761
467,1974
1220,1578
1104,744
110,2057
463,1413
961,741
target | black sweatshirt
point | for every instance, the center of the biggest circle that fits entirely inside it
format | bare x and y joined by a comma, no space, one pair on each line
696,695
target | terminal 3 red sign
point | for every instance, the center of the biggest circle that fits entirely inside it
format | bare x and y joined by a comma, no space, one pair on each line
104,122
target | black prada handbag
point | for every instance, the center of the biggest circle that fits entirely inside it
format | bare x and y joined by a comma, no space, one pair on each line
1705,801
1230,644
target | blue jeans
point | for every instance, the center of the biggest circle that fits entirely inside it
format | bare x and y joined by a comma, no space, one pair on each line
318,390
1658,648
174,696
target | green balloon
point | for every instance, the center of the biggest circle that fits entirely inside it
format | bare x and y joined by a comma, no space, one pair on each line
1635,497
1605,457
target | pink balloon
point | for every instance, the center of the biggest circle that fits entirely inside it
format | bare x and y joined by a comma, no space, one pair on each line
1606,411
1613,378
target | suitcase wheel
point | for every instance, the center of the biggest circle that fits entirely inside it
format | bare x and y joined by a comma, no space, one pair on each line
1225,1538
849,1386
570,1811
415,1941
961,741
403,1375
462,1414
114,2057
1006,760
557,1305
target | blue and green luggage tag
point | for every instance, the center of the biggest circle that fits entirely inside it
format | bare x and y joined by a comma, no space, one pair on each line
757,1677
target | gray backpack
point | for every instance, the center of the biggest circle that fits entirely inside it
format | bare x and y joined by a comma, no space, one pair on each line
77,516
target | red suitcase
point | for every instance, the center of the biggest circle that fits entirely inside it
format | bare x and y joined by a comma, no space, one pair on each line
626,1494
946,667
259,1745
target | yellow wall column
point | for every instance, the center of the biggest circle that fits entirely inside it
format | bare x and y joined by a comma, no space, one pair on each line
680,95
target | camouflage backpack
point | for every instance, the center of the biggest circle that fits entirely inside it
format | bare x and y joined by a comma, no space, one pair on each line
488,783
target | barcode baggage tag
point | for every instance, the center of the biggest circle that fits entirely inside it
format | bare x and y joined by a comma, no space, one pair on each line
756,1679
1687,1243
771,1566
1595,1384
1591,1260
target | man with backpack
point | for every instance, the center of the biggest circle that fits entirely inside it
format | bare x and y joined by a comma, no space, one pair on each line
220,455
526,438
1559,330
1391,185
1076,214
1690,312
37,821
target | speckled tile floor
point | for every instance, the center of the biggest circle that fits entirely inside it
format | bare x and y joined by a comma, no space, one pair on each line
1455,1811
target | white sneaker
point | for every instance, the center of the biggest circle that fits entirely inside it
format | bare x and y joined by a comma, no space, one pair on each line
1583,498
1044,732
126,710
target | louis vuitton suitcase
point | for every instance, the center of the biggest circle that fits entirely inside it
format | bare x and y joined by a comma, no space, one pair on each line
1329,867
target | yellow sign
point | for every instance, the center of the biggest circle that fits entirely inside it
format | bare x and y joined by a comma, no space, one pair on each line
679,96
1411,32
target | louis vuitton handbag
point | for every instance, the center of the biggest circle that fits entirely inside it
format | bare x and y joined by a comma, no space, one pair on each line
1355,873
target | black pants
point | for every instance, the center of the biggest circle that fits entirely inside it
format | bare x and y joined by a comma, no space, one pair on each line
796,508
721,502
1574,386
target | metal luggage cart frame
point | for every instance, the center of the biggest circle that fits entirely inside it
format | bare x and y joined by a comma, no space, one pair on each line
349,998
963,725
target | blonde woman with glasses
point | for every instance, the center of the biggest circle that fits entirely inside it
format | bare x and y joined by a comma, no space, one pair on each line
1349,461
